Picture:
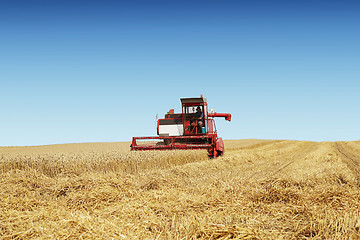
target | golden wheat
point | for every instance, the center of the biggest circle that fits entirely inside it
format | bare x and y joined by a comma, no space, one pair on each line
261,189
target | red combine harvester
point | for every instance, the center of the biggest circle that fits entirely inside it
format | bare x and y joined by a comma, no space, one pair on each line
194,128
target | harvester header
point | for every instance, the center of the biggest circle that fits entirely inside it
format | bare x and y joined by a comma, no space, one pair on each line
194,128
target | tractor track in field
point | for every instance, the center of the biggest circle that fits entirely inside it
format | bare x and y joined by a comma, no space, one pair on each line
296,151
301,154
351,157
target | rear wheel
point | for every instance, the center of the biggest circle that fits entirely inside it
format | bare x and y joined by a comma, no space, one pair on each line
167,141
164,142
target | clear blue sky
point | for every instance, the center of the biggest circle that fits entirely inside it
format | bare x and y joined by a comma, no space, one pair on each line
94,71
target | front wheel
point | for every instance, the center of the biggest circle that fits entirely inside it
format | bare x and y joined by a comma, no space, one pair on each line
213,153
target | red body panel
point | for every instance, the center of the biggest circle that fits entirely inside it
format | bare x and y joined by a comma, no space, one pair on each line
227,116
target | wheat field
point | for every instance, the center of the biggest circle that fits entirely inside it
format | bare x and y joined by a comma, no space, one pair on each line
260,189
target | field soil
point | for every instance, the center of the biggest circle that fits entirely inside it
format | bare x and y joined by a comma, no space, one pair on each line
260,189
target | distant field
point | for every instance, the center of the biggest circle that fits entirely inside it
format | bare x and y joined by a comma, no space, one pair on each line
260,189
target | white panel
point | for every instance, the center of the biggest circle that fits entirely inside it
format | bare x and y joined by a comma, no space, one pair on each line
172,130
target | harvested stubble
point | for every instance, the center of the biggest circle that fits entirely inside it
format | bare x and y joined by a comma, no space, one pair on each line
258,190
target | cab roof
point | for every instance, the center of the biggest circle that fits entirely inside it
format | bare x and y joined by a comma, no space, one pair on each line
193,100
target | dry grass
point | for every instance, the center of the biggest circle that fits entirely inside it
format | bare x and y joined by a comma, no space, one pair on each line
261,189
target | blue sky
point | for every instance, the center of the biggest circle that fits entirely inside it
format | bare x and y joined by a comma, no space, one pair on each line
94,71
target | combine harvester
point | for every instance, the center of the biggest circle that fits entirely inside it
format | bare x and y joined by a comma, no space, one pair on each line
194,128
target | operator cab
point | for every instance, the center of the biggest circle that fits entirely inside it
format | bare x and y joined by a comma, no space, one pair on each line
194,113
